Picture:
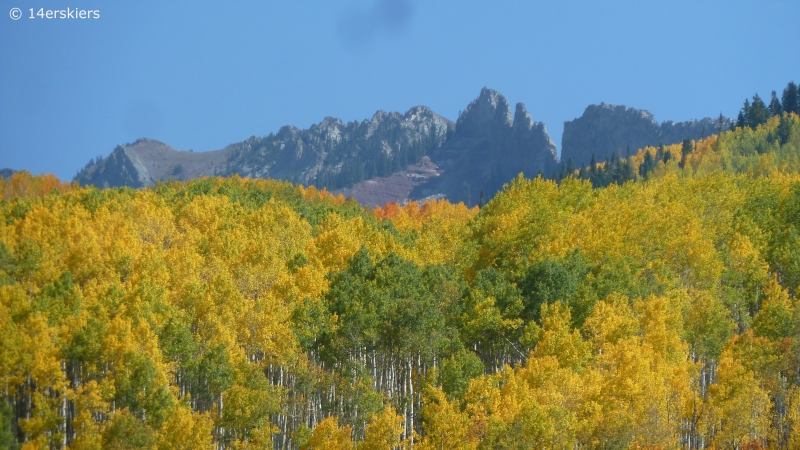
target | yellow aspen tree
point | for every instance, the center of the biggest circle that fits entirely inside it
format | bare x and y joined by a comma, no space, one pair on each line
383,431
328,436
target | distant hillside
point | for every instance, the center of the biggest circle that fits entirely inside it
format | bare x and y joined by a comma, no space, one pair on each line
604,130
6,173
489,148
147,161
396,157
329,154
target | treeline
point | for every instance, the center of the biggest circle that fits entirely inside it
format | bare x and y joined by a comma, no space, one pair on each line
776,120
356,151
234,313
383,154
757,112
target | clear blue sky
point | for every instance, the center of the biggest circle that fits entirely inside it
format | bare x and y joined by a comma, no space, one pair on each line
200,75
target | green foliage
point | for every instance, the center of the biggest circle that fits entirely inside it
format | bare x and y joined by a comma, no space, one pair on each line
458,370
658,310
125,432
7,438
553,280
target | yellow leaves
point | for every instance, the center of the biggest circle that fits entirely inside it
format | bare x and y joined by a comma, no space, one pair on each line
777,317
328,436
337,239
155,224
446,427
557,338
227,272
514,223
383,431
440,228
793,416
745,258
485,317
739,406
611,320
263,327
24,185
186,431
89,402
661,324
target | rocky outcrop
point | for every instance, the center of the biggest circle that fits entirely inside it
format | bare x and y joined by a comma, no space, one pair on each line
376,161
147,161
488,149
397,157
605,129
336,154
331,153
395,188
6,173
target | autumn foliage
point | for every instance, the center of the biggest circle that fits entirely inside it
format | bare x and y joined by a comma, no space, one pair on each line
236,313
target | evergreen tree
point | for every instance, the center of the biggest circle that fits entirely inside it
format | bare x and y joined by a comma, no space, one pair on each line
660,152
784,129
686,148
775,108
720,123
741,121
758,113
791,100
627,171
593,164
647,165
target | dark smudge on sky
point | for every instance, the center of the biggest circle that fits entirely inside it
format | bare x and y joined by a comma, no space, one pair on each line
361,24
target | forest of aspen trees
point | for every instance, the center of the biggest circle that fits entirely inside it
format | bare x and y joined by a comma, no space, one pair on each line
234,313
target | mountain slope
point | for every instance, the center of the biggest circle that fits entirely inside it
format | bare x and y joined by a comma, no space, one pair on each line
380,160
488,149
606,129
330,154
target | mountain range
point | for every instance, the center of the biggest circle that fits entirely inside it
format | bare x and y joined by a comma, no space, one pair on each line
401,157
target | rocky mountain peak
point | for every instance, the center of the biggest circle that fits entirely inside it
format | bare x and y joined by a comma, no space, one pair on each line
484,115
396,156
287,132
606,129
329,121
488,149
522,118
378,116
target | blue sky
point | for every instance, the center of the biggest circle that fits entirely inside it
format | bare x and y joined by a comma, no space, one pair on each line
200,75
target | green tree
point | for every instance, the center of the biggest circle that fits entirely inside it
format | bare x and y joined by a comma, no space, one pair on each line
791,99
775,108
758,113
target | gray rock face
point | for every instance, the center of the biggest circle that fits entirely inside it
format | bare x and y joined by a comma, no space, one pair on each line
329,153
331,150
397,157
605,129
123,167
147,161
487,150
